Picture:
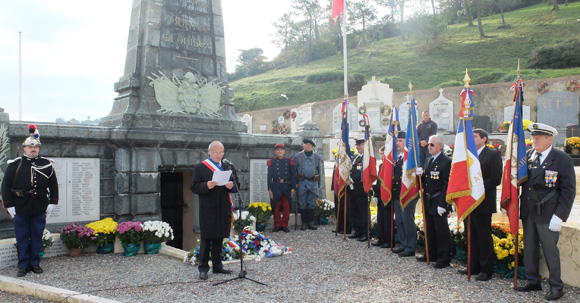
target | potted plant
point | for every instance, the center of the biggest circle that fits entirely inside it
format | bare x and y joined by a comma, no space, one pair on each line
155,233
262,211
76,237
573,143
105,232
130,234
243,220
322,210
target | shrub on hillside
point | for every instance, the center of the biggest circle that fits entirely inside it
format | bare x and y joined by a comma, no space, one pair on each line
325,77
563,55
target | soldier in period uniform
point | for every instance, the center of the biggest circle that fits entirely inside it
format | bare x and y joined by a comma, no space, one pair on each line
309,166
30,191
281,184
546,201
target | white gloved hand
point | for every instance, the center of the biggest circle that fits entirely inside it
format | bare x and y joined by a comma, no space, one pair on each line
49,208
453,208
332,191
419,171
376,200
11,211
555,223
440,210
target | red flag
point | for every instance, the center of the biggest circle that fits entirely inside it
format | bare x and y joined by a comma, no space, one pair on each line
369,163
337,8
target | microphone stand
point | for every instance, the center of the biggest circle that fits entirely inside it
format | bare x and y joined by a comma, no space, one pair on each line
242,274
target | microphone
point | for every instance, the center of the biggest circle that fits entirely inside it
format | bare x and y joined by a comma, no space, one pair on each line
226,161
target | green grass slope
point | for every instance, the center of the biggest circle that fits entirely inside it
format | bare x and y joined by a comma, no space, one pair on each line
437,64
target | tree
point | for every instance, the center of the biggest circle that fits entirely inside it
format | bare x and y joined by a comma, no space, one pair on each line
478,8
468,13
311,10
396,6
555,7
247,56
363,12
283,30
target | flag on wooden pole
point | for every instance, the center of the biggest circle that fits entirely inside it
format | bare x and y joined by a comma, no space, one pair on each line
389,156
369,162
409,184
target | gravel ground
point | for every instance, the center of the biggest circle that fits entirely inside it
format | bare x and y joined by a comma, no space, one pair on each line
322,268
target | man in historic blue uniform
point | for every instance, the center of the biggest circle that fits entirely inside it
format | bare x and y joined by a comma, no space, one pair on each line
29,191
546,201
281,184
215,208
309,166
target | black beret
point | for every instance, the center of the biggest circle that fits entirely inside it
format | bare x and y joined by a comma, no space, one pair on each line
308,141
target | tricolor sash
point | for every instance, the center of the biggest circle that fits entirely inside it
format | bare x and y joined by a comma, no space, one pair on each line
213,167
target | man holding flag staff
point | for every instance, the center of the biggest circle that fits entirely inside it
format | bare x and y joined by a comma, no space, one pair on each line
358,197
546,200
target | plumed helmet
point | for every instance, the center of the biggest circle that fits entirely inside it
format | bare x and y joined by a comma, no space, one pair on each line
33,137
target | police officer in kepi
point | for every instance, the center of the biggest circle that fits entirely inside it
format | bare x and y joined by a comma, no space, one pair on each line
281,184
29,192
546,201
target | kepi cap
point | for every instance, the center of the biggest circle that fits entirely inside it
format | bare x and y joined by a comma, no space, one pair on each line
401,135
308,141
542,129
33,137
279,145
359,141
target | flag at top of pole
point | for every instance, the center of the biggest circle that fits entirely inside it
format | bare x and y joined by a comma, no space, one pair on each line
409,184
369,173
389,156
344,156
337,9
465,187
515,170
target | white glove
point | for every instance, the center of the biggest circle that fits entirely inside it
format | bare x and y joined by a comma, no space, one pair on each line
440,210
376,200
49,208
453,208
11,211
555,223
332,191
419,171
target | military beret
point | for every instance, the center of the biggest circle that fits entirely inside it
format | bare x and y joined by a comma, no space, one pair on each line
542,129
308,141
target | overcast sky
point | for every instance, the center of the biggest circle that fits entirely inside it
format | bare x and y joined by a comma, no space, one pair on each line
73,51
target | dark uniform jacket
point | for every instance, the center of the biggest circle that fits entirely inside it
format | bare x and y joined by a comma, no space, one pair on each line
491,170
281,178
397,175
32,187
560,203
215,207
435,180
356,176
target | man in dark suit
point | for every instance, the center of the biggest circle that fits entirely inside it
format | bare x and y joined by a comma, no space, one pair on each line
359,207
215,208
482,253
384,215
435,174
546,200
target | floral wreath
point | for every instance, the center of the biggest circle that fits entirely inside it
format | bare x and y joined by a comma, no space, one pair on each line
385,110
286,114
386,121
362,111
293,115
572,85
274,123
361,123
543,87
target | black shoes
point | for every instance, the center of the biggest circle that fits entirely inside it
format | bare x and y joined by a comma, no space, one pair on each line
36,269
553,295
378,243
482,277
355,236
363,238
311,226
399,250
285,229
422,259
408,254
221,270
304,226
530,287
22,272
385,245
438,265
464,272
276,229
203,275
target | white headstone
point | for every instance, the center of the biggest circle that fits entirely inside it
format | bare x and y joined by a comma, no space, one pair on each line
281,120
404,114
247,119
508,113
441,111
337,118
375,95
303,114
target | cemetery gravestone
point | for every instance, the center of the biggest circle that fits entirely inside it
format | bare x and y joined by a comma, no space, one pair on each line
558,108
441,111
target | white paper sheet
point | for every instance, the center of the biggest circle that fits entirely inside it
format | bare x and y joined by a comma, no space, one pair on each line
222,177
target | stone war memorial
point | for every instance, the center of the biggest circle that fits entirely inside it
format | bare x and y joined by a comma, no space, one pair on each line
173,100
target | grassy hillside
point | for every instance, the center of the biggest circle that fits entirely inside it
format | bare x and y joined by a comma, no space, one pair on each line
434,65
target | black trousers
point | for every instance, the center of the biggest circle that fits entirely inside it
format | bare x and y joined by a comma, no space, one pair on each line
438,238
482,253
216,253
384,219
360,213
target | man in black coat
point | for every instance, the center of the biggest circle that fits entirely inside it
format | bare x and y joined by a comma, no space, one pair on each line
435,174
545,202
215,208
359,206
30,192
482,252
384,215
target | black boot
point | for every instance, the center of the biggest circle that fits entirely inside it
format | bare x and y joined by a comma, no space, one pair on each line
310,218
304,219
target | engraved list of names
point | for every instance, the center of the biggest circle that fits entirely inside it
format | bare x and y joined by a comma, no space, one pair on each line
258,181
79,190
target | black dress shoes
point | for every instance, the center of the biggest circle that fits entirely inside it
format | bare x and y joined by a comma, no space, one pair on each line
312,227
378,243
422,259
363,238
464,272
221,270
276,229
285,229
408,254
355,236
399,249
530,287
553,295
385,245
36,269
22,272
440,265
203,275
482,277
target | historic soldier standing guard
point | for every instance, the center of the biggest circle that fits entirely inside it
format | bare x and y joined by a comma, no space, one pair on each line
281,184
309,166
30,191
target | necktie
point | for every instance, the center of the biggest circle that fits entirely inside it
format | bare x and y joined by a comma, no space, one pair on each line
537,160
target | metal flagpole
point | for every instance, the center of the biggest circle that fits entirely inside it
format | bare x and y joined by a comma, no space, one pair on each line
344,56
20,75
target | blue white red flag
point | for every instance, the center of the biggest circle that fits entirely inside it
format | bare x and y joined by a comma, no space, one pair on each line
369,162
344,156
465,187
389,156
409,183
515,170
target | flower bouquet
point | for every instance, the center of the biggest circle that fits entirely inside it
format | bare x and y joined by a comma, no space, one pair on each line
130,233
155,233
46,241
323,209
373,208
241,222
458,239
420,230
76,237
262,211
105,234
